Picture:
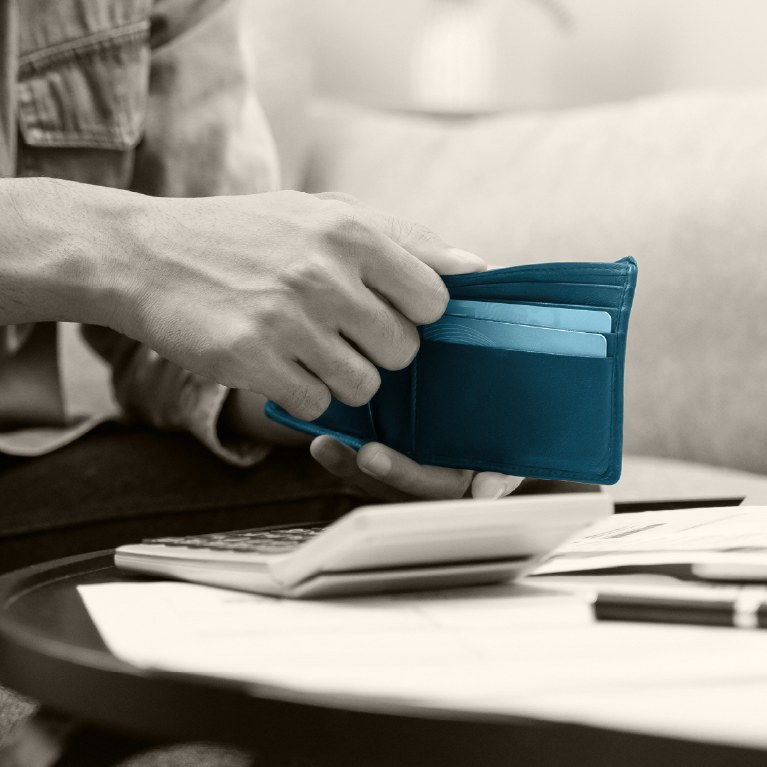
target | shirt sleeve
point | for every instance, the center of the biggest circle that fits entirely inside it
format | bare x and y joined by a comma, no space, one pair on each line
151,389
205,131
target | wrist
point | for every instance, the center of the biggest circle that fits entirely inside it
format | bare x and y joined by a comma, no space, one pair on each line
62,250
115,248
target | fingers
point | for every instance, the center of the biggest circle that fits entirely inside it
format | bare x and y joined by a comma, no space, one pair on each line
349,376
389,475
399,259
298,391
408,284
428,247
407,476
416,239
367,281
490,484
341,461
380,332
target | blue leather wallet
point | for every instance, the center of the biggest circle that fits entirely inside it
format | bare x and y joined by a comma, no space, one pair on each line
532,414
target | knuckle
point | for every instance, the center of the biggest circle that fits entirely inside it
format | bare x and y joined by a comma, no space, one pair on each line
422,236
360,386
271,317
307,402
393,341
310,276
340,225
349,228
225,358
434,301
408,352
238,336
414,236
401,352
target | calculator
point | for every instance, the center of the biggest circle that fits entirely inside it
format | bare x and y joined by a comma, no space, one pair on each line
376,549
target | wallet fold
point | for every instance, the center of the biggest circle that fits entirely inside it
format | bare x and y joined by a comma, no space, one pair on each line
532,414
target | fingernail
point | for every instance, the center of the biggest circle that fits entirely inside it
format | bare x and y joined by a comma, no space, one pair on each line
471,261
489,487
494,487
512,483
378,463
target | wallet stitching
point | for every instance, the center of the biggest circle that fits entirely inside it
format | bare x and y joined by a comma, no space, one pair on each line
413,408
606,268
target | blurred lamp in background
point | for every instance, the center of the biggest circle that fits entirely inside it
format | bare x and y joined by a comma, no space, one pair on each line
456,63
455,59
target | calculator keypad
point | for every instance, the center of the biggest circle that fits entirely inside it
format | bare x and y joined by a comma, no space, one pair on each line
257,541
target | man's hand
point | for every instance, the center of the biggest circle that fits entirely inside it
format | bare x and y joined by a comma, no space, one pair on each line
386,474
292,295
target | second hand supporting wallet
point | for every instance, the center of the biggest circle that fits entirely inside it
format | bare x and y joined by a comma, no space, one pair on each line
522,375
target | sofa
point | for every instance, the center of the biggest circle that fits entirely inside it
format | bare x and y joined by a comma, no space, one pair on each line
673,180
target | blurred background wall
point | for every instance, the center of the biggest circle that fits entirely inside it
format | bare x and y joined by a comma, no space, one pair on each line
539,53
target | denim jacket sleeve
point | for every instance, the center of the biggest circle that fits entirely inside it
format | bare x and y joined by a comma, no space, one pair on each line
121,93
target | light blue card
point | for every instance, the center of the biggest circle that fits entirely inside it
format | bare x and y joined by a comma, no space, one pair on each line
586,320
506,335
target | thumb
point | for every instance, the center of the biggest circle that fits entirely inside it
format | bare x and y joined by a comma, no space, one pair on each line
490,484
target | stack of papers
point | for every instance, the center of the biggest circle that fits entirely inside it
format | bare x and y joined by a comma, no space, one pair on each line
730,536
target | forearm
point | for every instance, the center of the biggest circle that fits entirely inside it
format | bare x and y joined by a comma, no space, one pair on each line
64,250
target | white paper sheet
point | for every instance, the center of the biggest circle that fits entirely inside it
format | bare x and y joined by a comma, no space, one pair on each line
679,536
508,649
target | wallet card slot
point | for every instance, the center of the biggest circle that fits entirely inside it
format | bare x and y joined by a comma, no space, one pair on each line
589,296
540,415
611,310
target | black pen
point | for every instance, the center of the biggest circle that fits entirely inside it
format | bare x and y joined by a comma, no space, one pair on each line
746,609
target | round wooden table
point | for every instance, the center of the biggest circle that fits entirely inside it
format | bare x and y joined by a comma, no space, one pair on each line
101,709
